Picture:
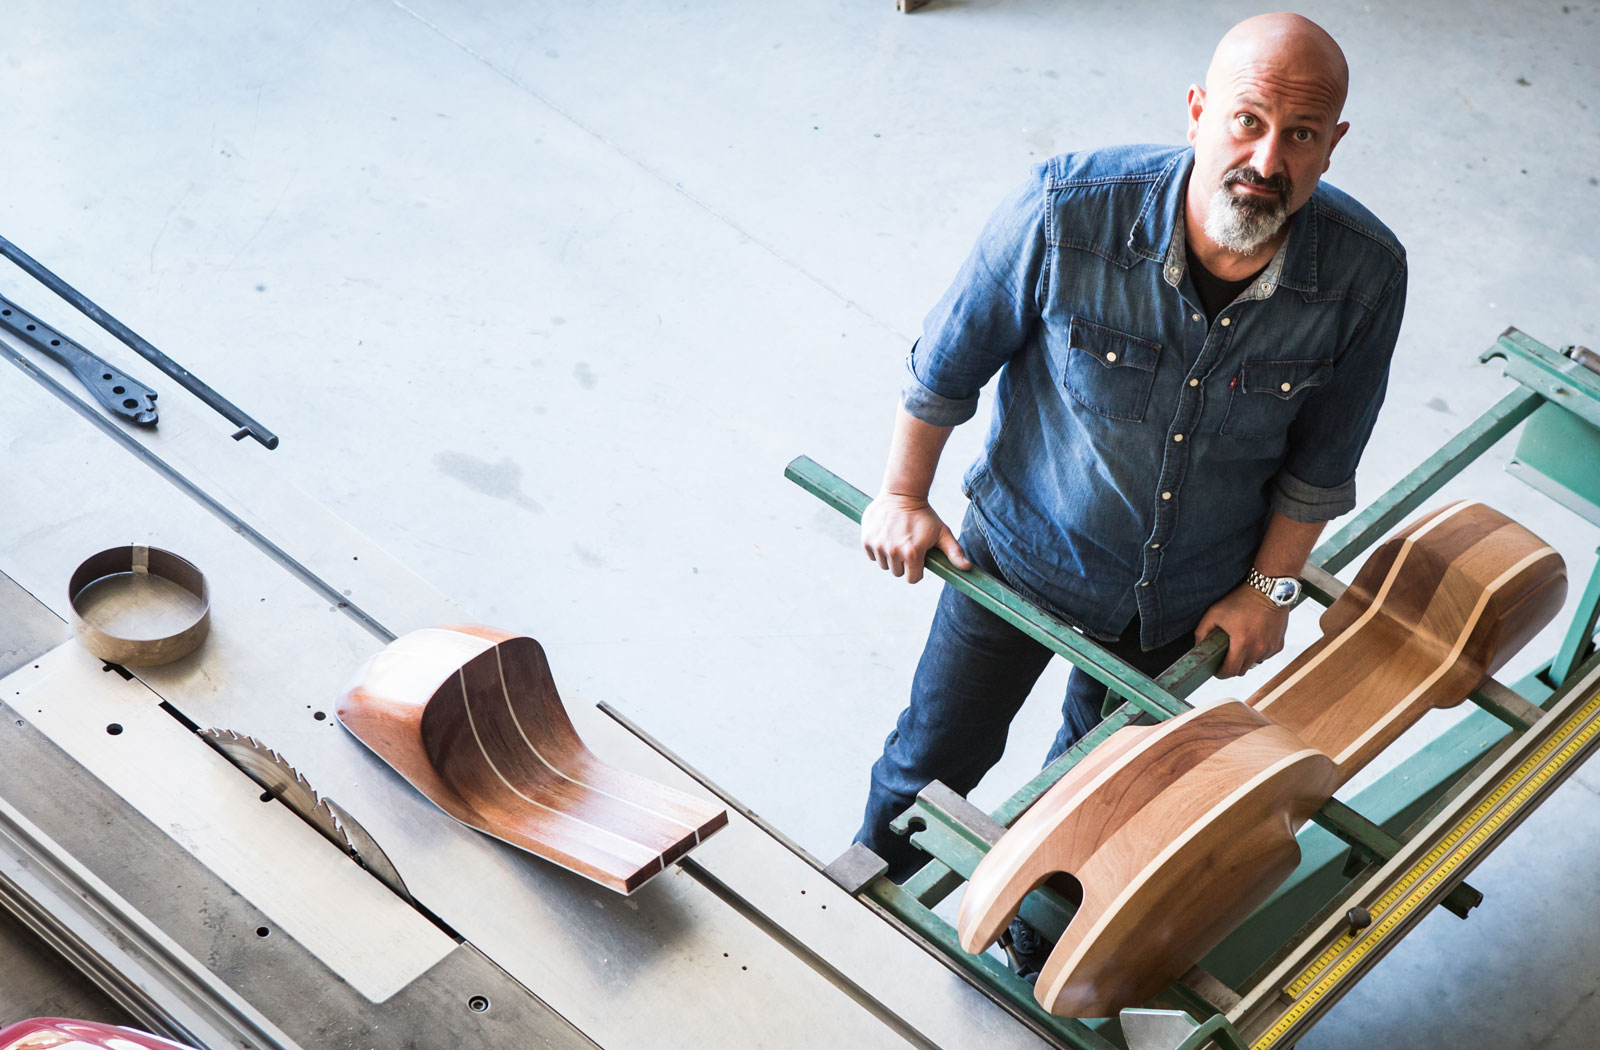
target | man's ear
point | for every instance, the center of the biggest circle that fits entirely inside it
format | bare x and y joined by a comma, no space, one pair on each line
1338,133
1197,105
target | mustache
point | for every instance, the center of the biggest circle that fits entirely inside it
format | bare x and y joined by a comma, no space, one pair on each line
1279,184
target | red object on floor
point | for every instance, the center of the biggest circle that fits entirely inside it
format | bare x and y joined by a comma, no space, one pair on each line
60,1033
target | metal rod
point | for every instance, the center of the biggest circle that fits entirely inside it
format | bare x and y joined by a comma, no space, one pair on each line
139,345
1001,600
255,536
1579,640
1455,456
1013,993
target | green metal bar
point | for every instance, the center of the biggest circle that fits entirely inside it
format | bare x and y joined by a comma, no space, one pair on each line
945,837
1557,388
956,854
1580,635
1357,830
1157,701
984,968
1514,710
959,850
1389,509
1029,793
1219,1028
1378,845
935,881
1001,600
1554,375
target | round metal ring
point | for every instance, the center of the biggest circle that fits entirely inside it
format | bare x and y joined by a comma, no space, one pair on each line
136,622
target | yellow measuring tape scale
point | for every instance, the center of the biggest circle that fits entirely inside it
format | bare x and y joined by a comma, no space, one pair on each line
1433,869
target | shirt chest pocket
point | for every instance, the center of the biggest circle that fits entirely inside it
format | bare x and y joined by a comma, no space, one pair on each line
1108,371
1267,395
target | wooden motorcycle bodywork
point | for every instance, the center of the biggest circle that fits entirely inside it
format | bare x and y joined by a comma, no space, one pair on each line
1178,831
471,717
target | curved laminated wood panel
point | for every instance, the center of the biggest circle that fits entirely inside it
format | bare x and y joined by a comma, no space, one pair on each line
471,717
1176,832
1209,799
1432,613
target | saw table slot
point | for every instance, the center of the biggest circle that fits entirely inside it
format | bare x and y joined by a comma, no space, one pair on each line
328,904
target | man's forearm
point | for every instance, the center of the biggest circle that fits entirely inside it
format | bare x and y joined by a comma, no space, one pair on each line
1287,545
914,452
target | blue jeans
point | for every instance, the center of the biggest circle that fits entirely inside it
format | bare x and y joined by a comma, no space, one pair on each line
975,672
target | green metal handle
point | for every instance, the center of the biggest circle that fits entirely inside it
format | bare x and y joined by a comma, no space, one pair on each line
1001,600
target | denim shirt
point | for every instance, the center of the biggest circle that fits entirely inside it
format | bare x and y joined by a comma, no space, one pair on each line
1136,451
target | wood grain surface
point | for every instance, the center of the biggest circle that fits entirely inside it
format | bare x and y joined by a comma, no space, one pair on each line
1433,612
471,717
1176,832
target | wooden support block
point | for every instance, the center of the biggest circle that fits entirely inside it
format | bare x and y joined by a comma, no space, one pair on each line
471,717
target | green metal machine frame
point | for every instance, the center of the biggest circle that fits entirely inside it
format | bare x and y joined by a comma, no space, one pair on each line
1561,393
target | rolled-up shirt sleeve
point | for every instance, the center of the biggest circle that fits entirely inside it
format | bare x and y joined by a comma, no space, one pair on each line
987,314
1317,480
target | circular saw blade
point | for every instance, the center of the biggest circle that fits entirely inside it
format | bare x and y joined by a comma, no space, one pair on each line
282,781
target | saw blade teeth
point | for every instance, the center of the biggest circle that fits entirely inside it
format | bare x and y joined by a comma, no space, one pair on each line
288,785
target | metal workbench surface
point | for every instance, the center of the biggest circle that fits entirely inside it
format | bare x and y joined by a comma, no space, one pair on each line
749,945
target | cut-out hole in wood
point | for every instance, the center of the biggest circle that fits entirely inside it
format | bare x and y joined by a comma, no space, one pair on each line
471,717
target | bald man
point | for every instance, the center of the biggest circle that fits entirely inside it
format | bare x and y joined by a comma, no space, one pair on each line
1192,346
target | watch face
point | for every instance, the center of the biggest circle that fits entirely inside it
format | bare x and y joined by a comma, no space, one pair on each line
1285,589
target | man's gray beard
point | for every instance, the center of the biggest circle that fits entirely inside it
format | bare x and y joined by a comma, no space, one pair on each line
1243,226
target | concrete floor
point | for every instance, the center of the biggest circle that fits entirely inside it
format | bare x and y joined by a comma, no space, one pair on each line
543,298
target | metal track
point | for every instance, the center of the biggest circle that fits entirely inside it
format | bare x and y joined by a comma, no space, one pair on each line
1304,986
164,988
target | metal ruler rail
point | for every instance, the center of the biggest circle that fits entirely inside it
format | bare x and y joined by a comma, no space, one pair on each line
1306,984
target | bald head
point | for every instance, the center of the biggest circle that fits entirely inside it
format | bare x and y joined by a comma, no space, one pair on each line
1286,53
1263,129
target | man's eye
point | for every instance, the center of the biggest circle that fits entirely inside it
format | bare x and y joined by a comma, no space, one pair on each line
1303,135
1247,120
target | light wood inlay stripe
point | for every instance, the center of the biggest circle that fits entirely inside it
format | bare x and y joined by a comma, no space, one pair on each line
510,707
1448,663
1366,617
1135,885
631,849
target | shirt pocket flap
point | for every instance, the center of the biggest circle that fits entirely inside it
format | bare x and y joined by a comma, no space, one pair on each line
1283,379
1112,348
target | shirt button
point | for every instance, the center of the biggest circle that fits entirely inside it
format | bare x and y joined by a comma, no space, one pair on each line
1177,437
1194,382
1194,317
1145,583
1155,546
1226,321
1111,357
1285,388
1266,288
1166,495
